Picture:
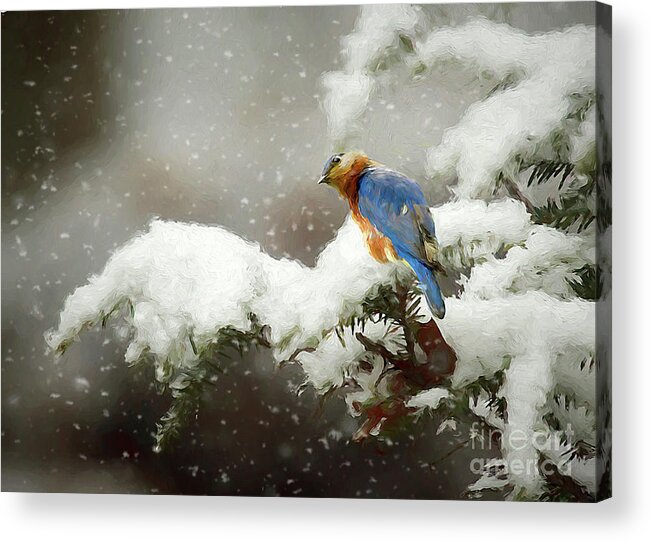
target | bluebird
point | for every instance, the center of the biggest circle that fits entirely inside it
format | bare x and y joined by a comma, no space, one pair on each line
393,215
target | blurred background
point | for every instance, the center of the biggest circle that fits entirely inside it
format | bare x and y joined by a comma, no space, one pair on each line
110,118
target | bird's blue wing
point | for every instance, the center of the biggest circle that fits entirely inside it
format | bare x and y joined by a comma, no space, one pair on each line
397,208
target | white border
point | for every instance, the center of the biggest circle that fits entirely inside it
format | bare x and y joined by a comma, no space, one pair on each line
161,518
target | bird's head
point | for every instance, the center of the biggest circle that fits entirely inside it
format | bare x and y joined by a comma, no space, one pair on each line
343,168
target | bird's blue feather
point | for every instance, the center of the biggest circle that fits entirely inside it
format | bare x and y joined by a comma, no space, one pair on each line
396,207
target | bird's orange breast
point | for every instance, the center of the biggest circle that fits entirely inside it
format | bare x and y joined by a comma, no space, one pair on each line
379,246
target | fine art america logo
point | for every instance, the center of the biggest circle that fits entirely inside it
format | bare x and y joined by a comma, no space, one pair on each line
553,452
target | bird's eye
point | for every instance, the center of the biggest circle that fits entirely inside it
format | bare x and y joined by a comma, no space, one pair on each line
336,159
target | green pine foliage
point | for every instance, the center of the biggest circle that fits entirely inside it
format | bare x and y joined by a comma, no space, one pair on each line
187,385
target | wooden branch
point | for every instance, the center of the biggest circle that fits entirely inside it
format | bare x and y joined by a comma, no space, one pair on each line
514,191
403,296
375,348
292,358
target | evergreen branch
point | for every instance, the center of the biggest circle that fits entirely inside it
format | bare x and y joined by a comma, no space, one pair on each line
588,284
189,383
185,402
514,191
545,170
561,488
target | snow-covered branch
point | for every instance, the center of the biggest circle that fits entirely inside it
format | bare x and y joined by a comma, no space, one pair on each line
378,33
539,85
177,287
185,282
542,104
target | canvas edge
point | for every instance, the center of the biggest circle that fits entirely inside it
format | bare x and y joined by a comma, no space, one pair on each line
603,323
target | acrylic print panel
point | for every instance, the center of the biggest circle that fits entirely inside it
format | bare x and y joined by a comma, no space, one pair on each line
193,303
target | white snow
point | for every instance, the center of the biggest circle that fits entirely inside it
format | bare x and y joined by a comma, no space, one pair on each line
377,30
517,122
186,279
429,398
514,123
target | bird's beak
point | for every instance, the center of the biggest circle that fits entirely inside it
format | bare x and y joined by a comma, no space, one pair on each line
323,180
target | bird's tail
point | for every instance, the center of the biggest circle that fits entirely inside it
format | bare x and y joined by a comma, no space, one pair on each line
429,286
